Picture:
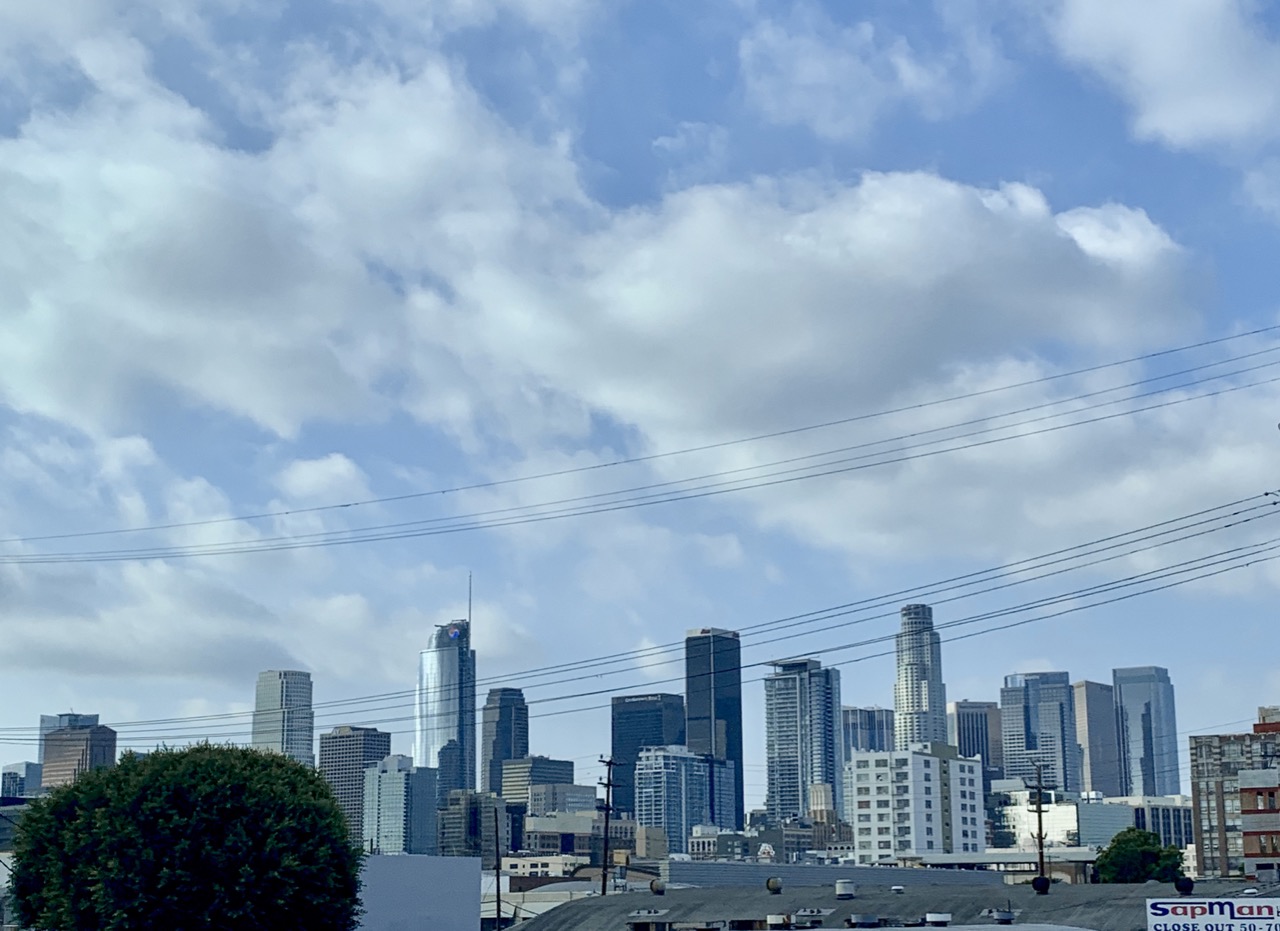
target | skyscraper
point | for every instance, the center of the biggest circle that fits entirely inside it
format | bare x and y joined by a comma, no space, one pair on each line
866,729
1038,726
803,740
399,813
1147,728
282,716
677,789
21,779
55,722
713,701
445,710
641,721
973,728
519,775
70,751
345,753
1096,735
469,828
919,696
504,735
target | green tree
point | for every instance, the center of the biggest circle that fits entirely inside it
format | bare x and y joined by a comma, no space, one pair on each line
207,837
1134,856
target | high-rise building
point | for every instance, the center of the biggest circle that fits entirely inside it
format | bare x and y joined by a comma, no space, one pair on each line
639,721
399,807
927,800
283,721
1038,728
1222,767
20,779
345,753
445,709
919,695
475,824
866,728
1147,728
519,775
1096,735
70,751
677,789
504,734
973,728
713,702
550,798
1170,817
56,722
803,740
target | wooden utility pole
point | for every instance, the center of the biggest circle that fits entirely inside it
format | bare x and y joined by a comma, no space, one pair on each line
497,871
607,782
1040,816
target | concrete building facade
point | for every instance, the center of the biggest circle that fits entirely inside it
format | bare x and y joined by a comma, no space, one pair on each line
1172,817
56,722
399,810
519,775
677,789
475,824
70,751
973,728
548,798
345,753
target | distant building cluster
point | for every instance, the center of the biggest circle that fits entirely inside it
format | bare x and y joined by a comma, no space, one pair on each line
1078,761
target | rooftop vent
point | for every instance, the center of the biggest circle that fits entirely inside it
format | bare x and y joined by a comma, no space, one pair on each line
1002,916
845,888
774,885
937,919
863,921
898,889
658,887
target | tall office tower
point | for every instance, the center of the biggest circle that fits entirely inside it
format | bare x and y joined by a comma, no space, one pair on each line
803,740
56,722
467,827
553,797
677,789
866,729
973,728
641,721
21,779
504,735
919,696
398,807
345,753
519,775
282,717
1096,735
70,751
445,710
1147,728
713,702
1038,726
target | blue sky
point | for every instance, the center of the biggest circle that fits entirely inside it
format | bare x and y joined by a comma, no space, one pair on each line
263,257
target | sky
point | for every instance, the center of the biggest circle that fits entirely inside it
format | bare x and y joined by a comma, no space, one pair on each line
643,316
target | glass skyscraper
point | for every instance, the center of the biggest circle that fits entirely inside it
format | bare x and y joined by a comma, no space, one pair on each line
866,729
399,814
1038,727
1148,731
640,721
504,735
803,740
282,717
445,708
1096,734
713,701
919,695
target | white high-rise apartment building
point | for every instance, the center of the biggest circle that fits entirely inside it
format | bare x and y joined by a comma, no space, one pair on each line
677,789
919,696
399,807
914,802
803,739
282,717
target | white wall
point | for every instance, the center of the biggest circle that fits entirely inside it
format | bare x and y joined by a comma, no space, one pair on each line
419,893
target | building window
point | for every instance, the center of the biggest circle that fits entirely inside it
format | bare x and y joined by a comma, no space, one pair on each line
864,818
861,764
882,764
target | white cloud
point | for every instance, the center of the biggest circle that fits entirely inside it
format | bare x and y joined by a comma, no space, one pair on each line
1195,75
331,479
838,80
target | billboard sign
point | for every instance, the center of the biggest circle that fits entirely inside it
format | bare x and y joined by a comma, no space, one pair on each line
1200,914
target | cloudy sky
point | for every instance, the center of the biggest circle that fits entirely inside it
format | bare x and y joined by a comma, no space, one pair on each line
650,315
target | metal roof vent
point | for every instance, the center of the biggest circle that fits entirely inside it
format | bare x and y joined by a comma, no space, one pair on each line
937,919
863,921
845,889
774,885
1002,916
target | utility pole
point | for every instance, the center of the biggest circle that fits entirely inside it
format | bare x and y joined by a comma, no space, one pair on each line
607,782
1040,816
497,872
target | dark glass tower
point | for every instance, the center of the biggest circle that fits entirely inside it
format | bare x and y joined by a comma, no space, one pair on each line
713,701
1147,727
641,721
504,735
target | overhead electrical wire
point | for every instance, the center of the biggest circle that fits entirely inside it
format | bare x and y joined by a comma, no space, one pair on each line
457,523
633,460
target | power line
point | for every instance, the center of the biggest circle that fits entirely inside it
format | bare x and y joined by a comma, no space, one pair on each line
1231,515
633,460
521,515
